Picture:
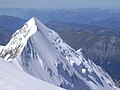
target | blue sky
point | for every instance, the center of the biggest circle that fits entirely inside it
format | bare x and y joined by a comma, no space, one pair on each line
57,4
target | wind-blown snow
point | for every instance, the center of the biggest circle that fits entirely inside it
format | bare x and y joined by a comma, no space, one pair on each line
12,78
47,57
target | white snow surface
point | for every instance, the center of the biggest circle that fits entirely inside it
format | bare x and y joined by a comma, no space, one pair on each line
47,57
11,78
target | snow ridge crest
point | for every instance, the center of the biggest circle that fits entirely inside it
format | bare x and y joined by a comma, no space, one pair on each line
19,40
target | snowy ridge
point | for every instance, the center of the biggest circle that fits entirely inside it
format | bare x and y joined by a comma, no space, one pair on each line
47,57
18,41
12,78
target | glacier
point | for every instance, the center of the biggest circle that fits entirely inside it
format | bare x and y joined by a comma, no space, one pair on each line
44,55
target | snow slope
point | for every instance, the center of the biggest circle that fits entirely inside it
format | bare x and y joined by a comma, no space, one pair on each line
47,57
11,78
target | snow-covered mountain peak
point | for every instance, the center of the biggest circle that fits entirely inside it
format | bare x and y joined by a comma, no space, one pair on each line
42,53
18,40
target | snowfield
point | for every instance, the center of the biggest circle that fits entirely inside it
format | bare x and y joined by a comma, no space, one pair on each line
11,78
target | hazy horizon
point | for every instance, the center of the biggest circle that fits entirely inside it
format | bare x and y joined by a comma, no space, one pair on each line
60,4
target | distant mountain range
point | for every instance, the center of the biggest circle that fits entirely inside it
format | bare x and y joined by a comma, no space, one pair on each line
8,25
11,22
111,22
85,16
